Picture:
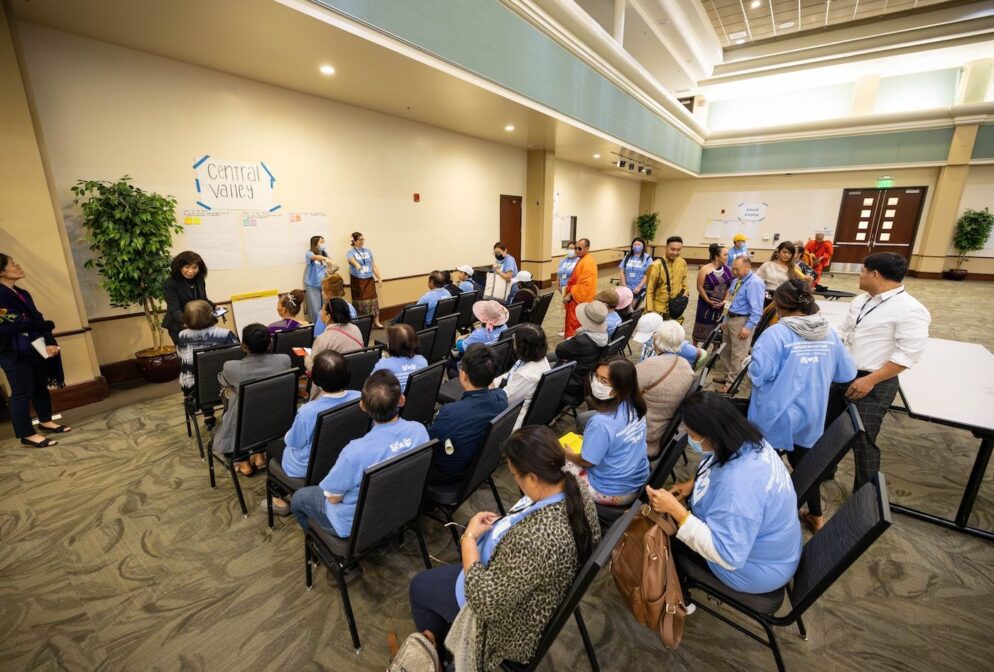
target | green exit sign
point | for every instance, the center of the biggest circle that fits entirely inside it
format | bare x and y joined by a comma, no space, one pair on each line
885,182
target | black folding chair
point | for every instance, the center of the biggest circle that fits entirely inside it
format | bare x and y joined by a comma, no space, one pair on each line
421,392
464,308
444,338
448,498
570,606
285,341
540,308
390,497
414,315
361,363
614,347
827,452
266,408
444,308
547,400
830,552
206,395
624,331
332,432
426,341
514,313
713,337
365,325
451,390
508,334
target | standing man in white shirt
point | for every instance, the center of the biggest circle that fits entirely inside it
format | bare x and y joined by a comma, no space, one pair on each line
885,332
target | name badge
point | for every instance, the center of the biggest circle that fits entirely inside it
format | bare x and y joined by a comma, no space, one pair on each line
364,269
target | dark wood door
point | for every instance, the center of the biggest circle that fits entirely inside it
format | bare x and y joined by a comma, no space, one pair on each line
877,220
510,225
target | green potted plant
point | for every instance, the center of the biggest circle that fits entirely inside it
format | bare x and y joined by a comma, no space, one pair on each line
646,225
971,234
131,232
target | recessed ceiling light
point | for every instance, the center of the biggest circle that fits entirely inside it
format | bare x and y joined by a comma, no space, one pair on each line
327,70
737,35
740,41
755,4
509,127
785,25
597,156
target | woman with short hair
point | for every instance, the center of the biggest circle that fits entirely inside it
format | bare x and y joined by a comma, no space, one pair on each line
201,332
530,347
664,381
339,335
404,359
186,282
332,287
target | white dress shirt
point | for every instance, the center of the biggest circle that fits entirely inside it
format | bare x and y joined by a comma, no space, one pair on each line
522,380
889,327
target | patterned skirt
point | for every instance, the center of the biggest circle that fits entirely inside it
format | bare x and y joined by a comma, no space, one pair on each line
364,296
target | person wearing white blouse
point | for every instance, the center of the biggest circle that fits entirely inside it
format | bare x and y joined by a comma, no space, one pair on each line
520,382
885,332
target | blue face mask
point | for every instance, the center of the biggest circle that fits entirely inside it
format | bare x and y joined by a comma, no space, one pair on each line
637,249
695,446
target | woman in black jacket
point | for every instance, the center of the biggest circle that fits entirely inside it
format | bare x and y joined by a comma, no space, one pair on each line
28,371
184,284
585,348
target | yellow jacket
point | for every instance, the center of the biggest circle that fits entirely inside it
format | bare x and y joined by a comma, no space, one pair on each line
656,297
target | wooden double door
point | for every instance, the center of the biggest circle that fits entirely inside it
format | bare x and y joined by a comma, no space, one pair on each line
877,220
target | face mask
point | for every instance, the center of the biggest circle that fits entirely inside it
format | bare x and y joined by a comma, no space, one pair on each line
499,257
695,446
637,249
600,390
570,253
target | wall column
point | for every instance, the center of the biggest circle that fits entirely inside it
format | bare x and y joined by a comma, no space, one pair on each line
31,231
537,252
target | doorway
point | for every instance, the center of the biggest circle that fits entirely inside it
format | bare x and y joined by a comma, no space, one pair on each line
510,225
876,220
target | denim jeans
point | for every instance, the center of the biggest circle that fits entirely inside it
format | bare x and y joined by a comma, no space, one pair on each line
309,503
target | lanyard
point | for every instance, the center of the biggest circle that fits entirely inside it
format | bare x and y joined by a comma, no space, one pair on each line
728,306
862,315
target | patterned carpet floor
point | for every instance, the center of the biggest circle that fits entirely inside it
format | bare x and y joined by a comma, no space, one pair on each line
116,555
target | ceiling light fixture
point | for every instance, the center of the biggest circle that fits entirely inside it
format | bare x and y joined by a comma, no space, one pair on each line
597,156
786,24
509,127
755,4
739,41
327,70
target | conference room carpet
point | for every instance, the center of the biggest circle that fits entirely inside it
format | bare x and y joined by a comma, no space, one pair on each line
116,555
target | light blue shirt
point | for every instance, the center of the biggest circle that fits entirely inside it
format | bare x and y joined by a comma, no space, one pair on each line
402,367
316,270
687,350
488,541
480,335
381,443
612,321
364,257
614,443
320,326
508,265
566,266
298,440
748,300
733,252
635,267
750,507
431,298
467,286
791,377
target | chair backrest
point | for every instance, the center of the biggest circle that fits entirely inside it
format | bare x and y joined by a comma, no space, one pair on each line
836,546
421,392
207,364
445,307
827,452
464,308
444,337
714,336
548,396
737,383
514,313
614,347
414,316
266,407
540,308
333,431
588,572
713,360
502,353
361,363
390,496
668,456
508,333
285,341
426,341
625,330
365,325
487,456
637,315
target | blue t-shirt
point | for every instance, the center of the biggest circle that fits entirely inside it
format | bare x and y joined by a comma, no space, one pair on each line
402,367
687,350
364,257
381,443
635,267
614,443
467,286
791,377
750,507
480,335
298,440
316,270
734,252
432,297
612,321
566,267
320,326
508,264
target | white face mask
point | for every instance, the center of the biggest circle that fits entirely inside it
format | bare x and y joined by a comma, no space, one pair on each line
570,253
599,389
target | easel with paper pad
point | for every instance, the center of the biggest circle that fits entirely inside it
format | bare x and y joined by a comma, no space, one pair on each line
254,307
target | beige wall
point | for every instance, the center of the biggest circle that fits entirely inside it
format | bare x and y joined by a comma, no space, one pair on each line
605,206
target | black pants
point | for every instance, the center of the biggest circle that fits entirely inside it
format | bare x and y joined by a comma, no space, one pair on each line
433,601
28,378
174,335
872,409
814,499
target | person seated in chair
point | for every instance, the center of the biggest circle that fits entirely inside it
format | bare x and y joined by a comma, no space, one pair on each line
332,503
609,298
664,381
332,287
625,299
339,335
523,291
612,461
742,521
647,327
493,322
450,286
520,382
330,374
200,332
463,278
257,363
584,347
514,570
436,292
404,359
461,426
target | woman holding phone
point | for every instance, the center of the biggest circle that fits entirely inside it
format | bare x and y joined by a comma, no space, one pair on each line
186,282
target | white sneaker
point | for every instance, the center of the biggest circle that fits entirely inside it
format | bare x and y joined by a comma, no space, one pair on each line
560,334
691,608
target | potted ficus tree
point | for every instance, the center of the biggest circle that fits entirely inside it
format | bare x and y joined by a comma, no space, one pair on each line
971,234
646,225
131,232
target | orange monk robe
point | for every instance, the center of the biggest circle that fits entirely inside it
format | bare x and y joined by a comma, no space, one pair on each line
582,286
821,256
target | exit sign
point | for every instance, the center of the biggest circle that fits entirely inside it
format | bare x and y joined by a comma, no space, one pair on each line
885,182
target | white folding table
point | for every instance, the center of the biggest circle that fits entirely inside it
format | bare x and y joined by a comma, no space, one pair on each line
834,311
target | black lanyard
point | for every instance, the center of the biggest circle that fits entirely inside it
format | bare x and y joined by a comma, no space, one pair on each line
863,315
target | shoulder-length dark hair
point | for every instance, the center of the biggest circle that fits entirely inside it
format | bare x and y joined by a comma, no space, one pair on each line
187,258
631,253
715,418
315,248
624,380
530,344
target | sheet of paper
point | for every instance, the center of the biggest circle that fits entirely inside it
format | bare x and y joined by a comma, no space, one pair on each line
254,307
271,239
39,345
714,228
215,235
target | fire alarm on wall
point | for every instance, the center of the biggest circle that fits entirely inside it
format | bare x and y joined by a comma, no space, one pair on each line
417,198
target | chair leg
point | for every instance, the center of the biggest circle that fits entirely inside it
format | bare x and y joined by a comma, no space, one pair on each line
587,644
210,464
238,488
269,505
774,646
451,528
186,416
347,605
308,567
421,543
493,489
801,629
200,441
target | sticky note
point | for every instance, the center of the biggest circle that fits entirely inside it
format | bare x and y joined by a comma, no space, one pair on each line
191,220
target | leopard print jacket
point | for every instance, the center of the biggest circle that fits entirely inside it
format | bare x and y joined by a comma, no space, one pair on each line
528,576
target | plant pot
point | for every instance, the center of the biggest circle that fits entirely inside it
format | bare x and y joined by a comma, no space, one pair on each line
955,274
158,365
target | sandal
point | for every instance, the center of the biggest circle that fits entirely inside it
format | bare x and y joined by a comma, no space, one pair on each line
58,429
44,443
244,469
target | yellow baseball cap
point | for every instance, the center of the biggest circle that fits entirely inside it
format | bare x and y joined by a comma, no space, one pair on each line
738,236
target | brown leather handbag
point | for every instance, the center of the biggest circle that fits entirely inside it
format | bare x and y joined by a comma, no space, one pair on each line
645,573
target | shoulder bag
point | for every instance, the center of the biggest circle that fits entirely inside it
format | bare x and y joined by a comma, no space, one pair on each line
664,376
677,304
416,654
